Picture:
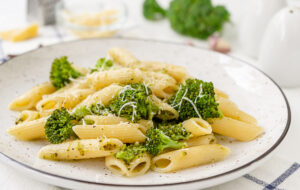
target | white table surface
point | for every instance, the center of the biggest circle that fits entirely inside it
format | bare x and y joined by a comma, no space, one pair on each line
12,14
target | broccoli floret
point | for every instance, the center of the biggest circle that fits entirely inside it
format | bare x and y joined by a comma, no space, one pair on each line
152,10
134,103
58,127
195,98
129,152
61,72
94,109
102,65
197,18
157,141
80,112
175,131
99,109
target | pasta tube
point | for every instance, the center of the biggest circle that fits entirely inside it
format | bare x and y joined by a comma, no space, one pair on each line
103,96
189,157
99,80
201,140
166,111
32,97
137,167
230,109
29,130
220,93
68,99
80,149
177,72
112,119
123,57
145,125
105,120
162,85
197,127
126,132
236,129
28,115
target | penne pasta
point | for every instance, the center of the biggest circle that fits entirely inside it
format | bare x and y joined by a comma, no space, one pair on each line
82,70
162,85
236,129
123,57
112,119
177,72
126,132
27,115
201,140
137,167
102,79
145,125
166,111
103,96
105,120
220,93
189,157
29,130
32,97
68,99
230,109
80,149
197,127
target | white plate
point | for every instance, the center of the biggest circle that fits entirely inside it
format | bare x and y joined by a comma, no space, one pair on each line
251,89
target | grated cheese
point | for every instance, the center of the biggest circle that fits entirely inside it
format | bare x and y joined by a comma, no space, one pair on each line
133,104
194,106
200,95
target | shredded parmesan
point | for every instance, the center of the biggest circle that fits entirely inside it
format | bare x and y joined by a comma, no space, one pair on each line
127,87
133,105
194,106
200,95
146,88
180,103
176,94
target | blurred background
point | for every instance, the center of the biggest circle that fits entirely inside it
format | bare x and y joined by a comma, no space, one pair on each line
54,18
253,30
264,33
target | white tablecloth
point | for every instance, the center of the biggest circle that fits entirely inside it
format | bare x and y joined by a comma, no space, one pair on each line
280,172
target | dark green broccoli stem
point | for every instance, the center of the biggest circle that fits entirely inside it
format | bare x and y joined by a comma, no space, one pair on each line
129,152
62,72
195,98
157,141
58,126
153,11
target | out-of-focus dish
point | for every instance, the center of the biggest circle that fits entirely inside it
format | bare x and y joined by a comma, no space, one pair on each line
91,19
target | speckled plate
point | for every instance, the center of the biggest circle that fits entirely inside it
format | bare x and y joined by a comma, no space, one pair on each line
251,89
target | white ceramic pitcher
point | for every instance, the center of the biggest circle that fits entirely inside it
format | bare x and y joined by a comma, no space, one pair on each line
257,15
280,48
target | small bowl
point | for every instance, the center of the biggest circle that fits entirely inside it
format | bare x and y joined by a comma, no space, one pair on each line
91,18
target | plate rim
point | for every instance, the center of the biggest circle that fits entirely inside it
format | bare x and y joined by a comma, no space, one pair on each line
259,158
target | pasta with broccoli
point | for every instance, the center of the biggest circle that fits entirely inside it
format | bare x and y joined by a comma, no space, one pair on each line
139,115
